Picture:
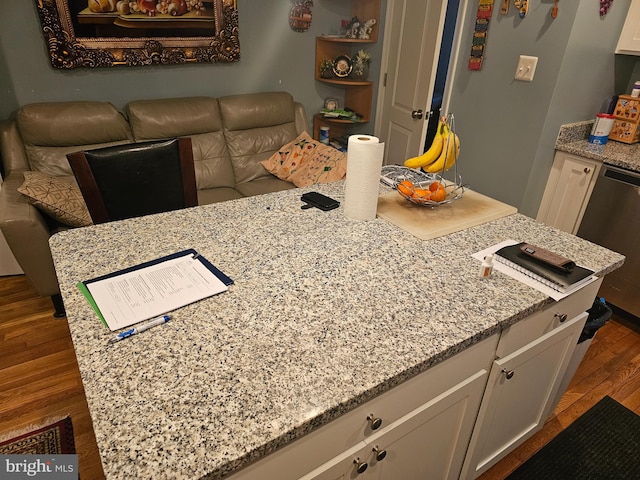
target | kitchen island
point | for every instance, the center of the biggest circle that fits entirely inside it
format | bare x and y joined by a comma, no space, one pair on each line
326,314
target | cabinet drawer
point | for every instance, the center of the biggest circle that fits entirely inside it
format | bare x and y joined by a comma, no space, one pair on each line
323,444
539,323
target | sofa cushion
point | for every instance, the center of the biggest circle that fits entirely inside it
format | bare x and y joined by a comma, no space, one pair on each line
305,161
51,130
263,185
195,117
215,195
173,117
255,126
58,197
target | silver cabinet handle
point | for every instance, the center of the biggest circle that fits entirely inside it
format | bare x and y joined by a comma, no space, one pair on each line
587,170
360,466
562,317
375,422
380,454
508,373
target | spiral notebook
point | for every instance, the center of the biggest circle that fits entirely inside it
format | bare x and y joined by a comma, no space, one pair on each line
561,281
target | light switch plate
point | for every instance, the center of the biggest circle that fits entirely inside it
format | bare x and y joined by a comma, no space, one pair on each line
526,68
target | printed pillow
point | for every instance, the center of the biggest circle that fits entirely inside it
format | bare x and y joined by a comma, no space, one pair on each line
58,197
289,158
305,161
327,165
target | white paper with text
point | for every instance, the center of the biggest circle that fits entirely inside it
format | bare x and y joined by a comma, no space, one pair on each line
153,290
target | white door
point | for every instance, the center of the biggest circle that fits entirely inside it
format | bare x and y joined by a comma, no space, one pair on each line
412,45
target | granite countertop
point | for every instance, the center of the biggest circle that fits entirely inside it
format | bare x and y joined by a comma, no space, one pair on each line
318,298
573,139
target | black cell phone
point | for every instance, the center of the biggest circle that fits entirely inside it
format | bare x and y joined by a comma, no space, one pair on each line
318,200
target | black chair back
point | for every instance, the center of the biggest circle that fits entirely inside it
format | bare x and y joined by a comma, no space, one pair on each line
136,179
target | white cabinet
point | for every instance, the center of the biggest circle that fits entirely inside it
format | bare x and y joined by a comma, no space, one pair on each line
425,426
429,442
524,380
452,421
629,42
568,191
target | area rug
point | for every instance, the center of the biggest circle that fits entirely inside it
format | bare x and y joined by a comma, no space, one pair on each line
53,439
603,444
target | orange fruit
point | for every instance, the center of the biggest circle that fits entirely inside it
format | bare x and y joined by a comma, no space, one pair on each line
435,186
421,194
406,187
439,195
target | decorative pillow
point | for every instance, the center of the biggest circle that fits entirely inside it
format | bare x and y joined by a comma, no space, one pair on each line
305,161
58,197
327,165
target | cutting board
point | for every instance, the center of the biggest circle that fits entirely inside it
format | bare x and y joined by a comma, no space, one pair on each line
426,222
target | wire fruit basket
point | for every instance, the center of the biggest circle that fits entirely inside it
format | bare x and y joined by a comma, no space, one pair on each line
417,186
394,175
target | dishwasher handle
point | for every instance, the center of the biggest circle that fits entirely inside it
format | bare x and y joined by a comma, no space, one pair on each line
623,176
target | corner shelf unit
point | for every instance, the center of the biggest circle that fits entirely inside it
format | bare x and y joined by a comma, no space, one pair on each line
358,95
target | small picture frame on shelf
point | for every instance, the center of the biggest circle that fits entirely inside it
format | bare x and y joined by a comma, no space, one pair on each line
331,104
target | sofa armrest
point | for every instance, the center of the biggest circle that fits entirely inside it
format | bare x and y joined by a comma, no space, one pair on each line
27,234
12,152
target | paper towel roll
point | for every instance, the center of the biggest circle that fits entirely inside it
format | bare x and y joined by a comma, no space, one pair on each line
364,163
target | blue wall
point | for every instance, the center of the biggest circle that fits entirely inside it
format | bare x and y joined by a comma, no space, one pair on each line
273,57
508,127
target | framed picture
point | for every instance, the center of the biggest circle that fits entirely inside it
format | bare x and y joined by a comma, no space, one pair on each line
107,33
331,104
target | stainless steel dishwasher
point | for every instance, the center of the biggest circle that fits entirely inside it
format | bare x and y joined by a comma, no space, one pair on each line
612,219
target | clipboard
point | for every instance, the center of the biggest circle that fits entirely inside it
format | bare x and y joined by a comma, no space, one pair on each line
131,295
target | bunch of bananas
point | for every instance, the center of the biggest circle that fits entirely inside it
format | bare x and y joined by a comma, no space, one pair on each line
443,152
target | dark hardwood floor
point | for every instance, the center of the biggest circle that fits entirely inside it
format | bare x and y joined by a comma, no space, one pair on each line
39,377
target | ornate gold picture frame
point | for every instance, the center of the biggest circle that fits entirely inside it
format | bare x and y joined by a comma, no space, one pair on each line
106,33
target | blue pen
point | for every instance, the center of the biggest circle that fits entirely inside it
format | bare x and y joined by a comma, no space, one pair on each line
156,321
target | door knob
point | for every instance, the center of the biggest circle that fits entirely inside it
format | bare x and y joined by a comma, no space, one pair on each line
561,316
360,466
380,454
417,114
375,422
508,373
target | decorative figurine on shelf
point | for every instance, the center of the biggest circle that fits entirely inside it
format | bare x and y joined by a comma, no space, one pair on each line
361,61
366,28
300,15
352,28
326,68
